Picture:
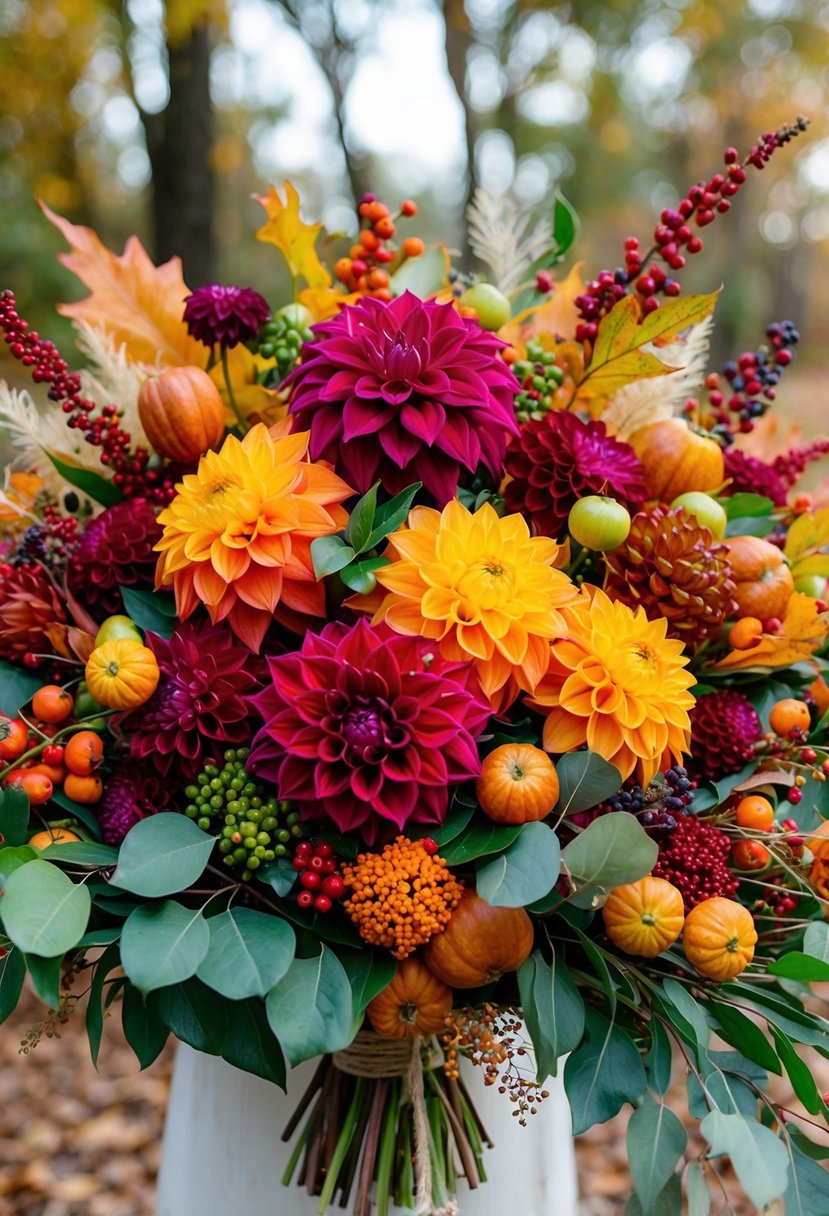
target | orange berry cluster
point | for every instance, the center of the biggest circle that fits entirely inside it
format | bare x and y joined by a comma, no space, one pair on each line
402,897
30,762
363,271
492,1040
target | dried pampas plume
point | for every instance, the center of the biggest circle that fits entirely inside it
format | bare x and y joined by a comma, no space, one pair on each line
500,236
644,401
33,433
112,377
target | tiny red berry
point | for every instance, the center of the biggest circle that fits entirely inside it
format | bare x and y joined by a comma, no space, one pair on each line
333,886
322,903
305,899
794,795
310,880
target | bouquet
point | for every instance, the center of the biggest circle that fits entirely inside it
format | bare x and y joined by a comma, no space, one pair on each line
427,668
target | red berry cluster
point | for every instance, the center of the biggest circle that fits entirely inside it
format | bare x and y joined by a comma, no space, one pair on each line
319,876
675,236
131,474
363,270
694,857
751,381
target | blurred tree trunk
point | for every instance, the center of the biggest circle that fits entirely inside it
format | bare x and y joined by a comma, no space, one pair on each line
458,40
179,142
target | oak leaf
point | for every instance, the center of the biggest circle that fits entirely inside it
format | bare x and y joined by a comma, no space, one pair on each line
807,544
294,239
804,631
139,304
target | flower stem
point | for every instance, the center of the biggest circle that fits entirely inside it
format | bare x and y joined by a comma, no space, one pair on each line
231,396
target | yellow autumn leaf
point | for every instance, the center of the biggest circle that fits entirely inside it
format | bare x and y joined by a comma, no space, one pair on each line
557,315
139,304
252,398
804,631
807,544
294,239
618,357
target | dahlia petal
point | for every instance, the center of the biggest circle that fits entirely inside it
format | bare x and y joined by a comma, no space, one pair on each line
563,732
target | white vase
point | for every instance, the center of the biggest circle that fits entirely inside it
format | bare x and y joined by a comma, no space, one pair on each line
223,1155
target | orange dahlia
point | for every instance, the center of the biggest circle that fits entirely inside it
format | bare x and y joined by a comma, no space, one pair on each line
482,588
620,686
237,536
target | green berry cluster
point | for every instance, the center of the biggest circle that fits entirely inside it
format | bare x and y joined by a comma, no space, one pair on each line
539,378
252,828
281,339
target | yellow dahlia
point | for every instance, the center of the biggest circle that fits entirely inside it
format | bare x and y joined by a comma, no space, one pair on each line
237,536
482,588
619,685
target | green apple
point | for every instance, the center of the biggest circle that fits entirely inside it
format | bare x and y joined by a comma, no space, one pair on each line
296,315
705,509
118,627
812,584
491,306
598,523
86,705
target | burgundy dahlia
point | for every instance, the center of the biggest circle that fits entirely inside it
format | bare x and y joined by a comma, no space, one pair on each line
558,459
200,706
368,729
29,604
694,857
115,550
404,391
228,315
749,475
724,729
130,794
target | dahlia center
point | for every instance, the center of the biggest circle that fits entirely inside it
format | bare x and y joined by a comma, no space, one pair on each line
369,732
488,582
402,361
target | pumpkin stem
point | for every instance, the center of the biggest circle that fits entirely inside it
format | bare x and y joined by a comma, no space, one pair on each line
648,918
408,1013
517,772
112,668
732,945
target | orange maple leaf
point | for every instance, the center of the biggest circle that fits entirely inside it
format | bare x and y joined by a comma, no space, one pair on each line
804,631
141,305
556,315
294,239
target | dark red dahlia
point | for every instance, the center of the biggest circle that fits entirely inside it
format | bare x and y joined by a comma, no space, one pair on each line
694,857
752,476
29,604
130,794
558,459
724,729
368,729
404,391
228,315
115,550
200,706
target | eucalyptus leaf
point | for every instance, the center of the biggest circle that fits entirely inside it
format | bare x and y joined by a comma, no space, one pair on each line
12,859
81,853
44,976
368,973
816,940
585,780
553,1010
248,953
253,1046
659,1058
656,1140
759,1157
799,1073
527,870
12,975
741,1032
14,816
108,961
479,840
161,855
163,944
808,1186
144,1030
667,1203
699,1196
612,850
43,911
195,1014
603,1074
310,1009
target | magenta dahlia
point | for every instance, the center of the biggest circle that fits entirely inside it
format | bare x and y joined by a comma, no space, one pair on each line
404,391
694,857
200,706
368,729
773,479
130,794
724,729
115,550
228,315
558,459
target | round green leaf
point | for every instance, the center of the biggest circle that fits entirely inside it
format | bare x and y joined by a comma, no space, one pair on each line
585,780
13,859
161,855
43,911
310,1008
603,1074
163,944
613,850
249,952
527,870
759,1157
656,1140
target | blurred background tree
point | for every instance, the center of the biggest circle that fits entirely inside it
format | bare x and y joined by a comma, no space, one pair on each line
164,117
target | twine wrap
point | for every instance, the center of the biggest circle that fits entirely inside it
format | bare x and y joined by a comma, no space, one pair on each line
374,1057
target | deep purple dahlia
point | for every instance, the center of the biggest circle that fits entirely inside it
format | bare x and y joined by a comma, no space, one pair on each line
229,315
200,706
404,391
368,729
558,459
130,794
115,550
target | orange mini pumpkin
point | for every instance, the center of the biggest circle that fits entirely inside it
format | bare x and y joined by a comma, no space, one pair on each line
764,582
518,784
122,674
790,718
42,840
644,917
755,813
480,943
415,1002
182,413
677,459
719,938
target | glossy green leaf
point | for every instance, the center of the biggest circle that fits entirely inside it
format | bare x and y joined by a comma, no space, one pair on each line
359,576
95,1004
12,975
759,1157
527,870
737,506
195,1014
90,483
390,515
656,1140
565,224
329,554
252,1045
744,1034
368,973
81,853
12,859
249,952
361,520
479,840
161,855
603,1074
310,1009
585,780
163,944
798,966
553,1010
152,611
279,874
84,814
612,850
691,1010
424,276
799,1073
43,911
44,976
808,1187
14,816
816,940
17,687
144,1030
